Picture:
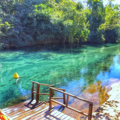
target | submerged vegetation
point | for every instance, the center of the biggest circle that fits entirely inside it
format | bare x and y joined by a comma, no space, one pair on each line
71,69
31,22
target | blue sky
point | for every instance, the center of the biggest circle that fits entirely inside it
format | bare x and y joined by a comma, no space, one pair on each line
115,1
104,1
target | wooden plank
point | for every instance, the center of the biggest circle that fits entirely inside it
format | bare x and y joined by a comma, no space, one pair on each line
18,109
24,110
53,112
39,115
15,106
34,114
15,112
56,113
62,116
59,115
29,113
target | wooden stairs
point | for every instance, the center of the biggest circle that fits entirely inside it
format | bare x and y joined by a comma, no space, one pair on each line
36,110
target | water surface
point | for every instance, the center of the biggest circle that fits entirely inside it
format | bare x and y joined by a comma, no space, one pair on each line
73,69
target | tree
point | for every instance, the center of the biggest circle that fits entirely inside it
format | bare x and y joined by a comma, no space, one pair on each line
95,19
112,24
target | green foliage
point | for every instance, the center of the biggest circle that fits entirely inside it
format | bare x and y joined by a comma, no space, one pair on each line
95,19
67,21
25,22
111,25
112,17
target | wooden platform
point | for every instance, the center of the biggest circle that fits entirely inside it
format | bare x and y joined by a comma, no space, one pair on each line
29,111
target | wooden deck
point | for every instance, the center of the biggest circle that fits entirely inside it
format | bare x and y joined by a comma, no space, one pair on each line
29,111
36,110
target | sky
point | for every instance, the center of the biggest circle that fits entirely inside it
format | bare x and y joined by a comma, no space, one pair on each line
114,2
104,1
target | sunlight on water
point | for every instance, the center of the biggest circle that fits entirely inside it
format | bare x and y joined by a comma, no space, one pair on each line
74,69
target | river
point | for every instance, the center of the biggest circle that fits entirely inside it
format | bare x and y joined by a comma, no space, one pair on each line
74,69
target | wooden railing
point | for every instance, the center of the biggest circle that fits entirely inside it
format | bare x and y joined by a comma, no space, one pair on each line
89,115
37,92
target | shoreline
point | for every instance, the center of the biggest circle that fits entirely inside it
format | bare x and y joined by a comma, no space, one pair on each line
110,110
98,95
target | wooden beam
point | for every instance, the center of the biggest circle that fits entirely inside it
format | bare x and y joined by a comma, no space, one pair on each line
77,111
57,97
42,84
58,102
50,103
60,89
64,97
90,111
32,93
67,100
37,93
69,107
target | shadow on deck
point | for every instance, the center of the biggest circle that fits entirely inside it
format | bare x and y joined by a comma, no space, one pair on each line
28,111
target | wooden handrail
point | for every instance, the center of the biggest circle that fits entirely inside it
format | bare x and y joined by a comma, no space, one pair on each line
60,89
71,95
89,115
42,84
37,92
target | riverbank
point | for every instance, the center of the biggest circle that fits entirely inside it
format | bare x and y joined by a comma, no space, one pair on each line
110,110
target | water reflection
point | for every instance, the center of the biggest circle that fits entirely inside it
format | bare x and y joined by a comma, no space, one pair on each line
93,88
112,71
102,91
103,96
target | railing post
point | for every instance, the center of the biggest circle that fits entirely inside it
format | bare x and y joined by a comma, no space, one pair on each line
37,93
90,111
50,103
32,95
52,92
63,97
67,100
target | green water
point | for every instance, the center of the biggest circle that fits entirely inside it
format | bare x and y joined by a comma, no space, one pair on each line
71,68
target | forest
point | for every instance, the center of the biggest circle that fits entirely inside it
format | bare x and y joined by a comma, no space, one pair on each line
33,22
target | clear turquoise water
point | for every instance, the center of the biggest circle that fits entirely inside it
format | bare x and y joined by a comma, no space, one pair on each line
71,68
